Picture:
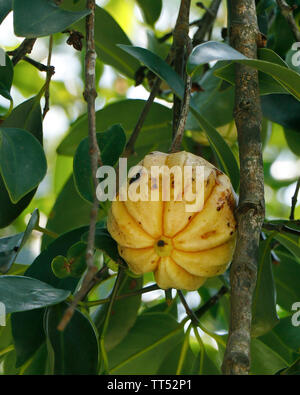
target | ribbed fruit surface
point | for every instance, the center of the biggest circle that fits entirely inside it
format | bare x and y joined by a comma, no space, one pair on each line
182,248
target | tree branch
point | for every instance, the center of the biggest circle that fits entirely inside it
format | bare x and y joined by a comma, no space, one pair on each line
250,212
206,22
287,12
90,97
294,200
23,49
181,49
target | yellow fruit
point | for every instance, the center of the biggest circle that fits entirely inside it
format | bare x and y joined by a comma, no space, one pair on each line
182,248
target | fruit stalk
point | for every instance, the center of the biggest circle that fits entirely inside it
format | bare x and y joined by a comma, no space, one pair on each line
250,212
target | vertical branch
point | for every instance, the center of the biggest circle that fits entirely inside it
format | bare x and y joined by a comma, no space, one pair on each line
250,211
181,51
50,72
287,12
294,200
90,95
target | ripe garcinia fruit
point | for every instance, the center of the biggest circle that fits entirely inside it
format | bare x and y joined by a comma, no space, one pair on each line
182,248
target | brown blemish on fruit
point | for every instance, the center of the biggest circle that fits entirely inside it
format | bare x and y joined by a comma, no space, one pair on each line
161,243
208,234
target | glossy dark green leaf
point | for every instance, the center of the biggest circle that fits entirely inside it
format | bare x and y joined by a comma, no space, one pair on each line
222,151
25,116
22,162
69,211
264,360
123,315
264,316
151,10
105,243
37,18
282,109
111,144
74,350
214,51
38,363
287,274
6,78
155,133
28,326
20,293
288,240
5,8
142,351
10,246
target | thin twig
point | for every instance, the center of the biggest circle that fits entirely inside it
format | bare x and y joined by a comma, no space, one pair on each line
189,312
287,12
206,22
211,302
168,35
181,49
280,228
294,200
23,49
250,213
90,97
48,78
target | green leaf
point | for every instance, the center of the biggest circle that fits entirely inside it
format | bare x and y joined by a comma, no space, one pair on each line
264,360
105,243
293,141
124,313
69,212
111,144
60,267
28,326
11,246
142,351
6,78
155,133
165,72
287,274
108,34
151,10
282,109
5,8
287,239
22,162
20,293
264,316
37,18
292,370
214,51
74,350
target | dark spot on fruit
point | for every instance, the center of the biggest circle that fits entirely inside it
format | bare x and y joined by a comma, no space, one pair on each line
208,234
231,233
228,224
134,178
190,217
160,243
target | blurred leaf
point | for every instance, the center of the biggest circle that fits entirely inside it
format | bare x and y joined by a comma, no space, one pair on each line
25,116
37,18
151,10
142,351
28,326
6,78
111,144
20,293
5,8
74,350
38,364
123,315
223,153
212,51
155,133
22,162
264,316
287,239
69,211
293,140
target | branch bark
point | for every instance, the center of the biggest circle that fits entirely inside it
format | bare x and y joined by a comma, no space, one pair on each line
90,95
287,12
250,212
